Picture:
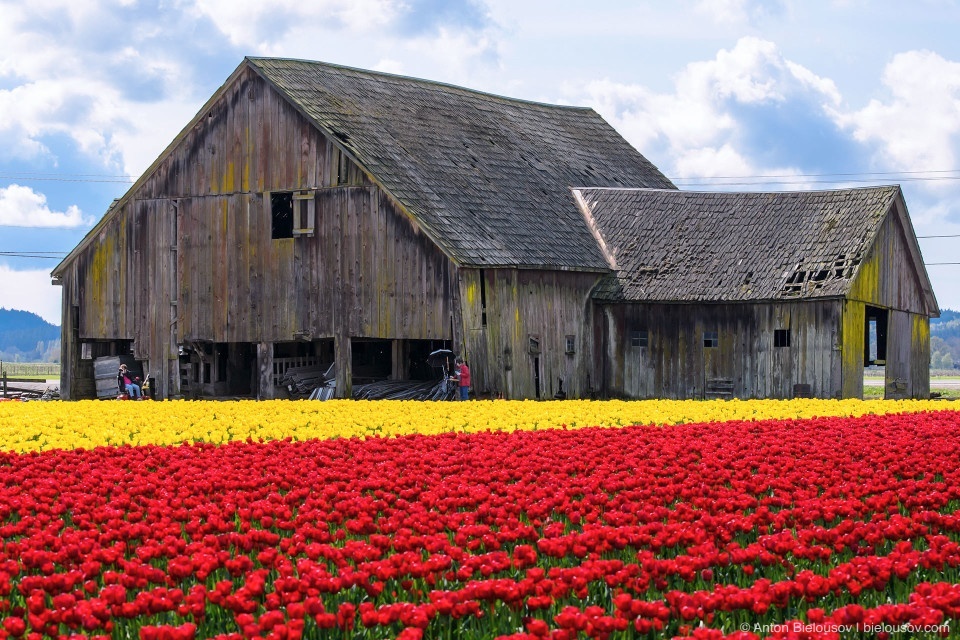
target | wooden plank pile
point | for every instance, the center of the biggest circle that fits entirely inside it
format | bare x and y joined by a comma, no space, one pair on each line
301,381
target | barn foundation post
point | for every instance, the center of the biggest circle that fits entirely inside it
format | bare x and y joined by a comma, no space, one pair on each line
265,389
343,356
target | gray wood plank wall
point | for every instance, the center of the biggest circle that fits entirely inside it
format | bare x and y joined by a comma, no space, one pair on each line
189,255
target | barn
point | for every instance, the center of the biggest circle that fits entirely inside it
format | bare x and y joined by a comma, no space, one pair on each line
314,214
759,295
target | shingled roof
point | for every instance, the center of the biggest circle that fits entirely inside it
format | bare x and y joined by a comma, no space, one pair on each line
667,245
487,177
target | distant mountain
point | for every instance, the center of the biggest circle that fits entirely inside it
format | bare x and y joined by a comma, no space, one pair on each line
26,337
945,340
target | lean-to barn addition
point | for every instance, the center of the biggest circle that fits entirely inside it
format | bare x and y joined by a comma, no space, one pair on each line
313,214
759,295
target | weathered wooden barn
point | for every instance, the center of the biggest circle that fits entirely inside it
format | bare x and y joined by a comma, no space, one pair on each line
759,295
313,214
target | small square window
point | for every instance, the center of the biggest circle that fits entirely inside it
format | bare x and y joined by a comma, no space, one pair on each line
711,339
781,338
534,344
571,344
639,338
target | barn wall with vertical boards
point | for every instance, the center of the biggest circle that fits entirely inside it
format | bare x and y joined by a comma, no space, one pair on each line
520,304
188,255
745,363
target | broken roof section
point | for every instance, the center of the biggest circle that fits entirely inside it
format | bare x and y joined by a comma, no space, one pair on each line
684,246
488,177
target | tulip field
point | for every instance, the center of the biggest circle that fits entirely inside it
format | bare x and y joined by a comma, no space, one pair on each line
478,520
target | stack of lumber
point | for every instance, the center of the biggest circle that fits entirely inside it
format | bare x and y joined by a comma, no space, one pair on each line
301,381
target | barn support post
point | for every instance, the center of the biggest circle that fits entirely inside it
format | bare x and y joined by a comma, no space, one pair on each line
265,371
343,356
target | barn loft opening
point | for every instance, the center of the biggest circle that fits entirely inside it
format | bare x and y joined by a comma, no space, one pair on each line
281,215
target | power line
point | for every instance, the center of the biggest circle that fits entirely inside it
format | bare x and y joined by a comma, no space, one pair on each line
119,179
955,235
46,255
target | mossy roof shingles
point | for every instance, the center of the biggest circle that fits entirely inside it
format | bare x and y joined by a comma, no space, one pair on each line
687,246
488,177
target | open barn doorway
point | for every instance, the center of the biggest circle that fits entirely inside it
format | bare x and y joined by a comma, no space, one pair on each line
875,325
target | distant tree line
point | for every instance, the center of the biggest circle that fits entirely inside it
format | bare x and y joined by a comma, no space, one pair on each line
945,340
26,337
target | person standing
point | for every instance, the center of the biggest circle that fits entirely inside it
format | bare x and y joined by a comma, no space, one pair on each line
463,378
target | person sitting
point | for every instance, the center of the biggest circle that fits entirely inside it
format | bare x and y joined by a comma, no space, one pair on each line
128,384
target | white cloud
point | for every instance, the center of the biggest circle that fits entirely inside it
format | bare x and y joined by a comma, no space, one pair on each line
23,207
700,121
916,129
737,11
263,26
30,290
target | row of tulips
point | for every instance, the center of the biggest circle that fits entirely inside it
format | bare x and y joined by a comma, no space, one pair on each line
739,529
44,426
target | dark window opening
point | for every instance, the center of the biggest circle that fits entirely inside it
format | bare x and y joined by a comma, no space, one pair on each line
875,336
639,338
281,215
571,344
781,337
711,339
483,299
206,373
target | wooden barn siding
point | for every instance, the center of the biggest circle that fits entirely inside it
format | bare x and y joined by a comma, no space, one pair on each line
366,272
69,343
887,280
886,277
520,302
675,364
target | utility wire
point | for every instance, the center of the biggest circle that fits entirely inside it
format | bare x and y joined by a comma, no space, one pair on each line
20,178
45,255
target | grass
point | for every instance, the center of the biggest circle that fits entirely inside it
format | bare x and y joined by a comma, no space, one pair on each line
30,370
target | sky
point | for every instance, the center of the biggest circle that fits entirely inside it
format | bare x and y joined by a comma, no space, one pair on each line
743,95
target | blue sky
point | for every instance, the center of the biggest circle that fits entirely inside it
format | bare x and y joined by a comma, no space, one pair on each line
720,94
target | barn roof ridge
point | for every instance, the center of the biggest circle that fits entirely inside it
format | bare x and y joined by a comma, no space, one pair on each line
425,81
742,192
